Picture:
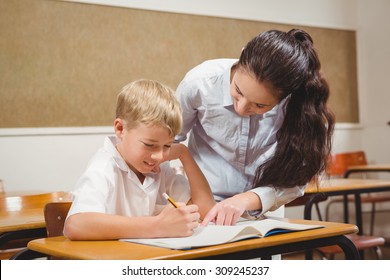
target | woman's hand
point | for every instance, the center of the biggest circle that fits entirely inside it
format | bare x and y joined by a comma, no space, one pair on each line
226,212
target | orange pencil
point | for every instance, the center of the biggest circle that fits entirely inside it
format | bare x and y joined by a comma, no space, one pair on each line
170,199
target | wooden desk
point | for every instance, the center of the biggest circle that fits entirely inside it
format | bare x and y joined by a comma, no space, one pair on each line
20,193
21,220
372,168
21,216
334,187
367,168
333,233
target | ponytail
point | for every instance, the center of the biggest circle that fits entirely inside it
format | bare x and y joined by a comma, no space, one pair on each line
304,139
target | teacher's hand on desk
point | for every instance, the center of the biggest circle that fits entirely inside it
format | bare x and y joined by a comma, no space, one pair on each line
228,211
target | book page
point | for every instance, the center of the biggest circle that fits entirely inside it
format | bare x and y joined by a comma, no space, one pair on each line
203,236
214,234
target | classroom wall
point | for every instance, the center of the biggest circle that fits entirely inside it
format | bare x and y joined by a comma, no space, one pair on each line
65,139
64,63
373,41
53,158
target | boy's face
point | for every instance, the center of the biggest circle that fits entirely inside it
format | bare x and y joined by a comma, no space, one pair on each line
143,147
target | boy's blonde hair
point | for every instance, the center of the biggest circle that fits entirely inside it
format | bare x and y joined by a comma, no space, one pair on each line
151,103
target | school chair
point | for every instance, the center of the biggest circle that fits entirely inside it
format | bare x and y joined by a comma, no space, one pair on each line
28,210
342,165
55,214
362,243
337,167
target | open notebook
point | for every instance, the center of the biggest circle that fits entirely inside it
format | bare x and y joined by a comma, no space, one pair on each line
213,234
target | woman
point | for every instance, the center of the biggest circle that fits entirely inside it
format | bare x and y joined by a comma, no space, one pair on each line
260,126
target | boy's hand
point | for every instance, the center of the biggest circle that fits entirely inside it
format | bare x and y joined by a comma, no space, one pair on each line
176,151
178,222
157,169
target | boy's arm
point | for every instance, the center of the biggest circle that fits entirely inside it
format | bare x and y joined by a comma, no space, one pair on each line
171,222
201,194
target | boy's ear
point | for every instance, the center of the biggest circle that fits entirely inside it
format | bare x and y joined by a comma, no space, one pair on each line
118,127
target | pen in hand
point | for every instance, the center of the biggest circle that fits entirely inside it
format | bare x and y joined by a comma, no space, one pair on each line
170,199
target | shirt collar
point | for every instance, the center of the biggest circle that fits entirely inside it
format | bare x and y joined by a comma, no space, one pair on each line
227,98
110,145
276,112
279,108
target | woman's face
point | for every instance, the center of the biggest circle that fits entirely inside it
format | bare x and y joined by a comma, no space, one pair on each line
250,97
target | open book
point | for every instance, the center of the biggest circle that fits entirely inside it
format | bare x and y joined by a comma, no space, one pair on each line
214,234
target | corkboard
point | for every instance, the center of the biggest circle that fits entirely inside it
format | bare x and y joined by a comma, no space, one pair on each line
62,64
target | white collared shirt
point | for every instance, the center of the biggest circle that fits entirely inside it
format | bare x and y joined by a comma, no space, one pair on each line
228,147
109,186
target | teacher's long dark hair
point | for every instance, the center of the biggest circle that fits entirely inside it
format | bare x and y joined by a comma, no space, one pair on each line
288,63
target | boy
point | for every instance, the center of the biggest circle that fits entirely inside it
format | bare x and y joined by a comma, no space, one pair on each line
120,195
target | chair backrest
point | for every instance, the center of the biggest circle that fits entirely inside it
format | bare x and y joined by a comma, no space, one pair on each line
339,163
55,214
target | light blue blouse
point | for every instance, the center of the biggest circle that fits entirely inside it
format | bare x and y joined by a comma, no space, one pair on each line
228,147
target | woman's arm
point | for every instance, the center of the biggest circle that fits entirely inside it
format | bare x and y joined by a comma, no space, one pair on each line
261,200
274,197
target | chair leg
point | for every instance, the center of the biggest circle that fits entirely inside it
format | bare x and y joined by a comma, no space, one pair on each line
27,254
318,211
346,210
324,256
372,221
378,252
327,209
